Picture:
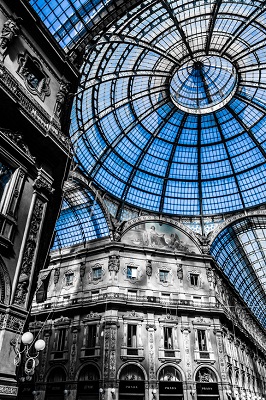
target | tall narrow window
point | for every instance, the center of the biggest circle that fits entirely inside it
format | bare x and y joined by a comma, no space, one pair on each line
61,339
168,341
5,175
194,279
168,338
132,339
91,340
202,340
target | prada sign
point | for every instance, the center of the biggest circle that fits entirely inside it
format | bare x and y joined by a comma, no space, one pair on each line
131,387
171,387
55,388
88,387
207,388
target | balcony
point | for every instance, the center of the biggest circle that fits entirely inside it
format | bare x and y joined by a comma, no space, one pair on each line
132,353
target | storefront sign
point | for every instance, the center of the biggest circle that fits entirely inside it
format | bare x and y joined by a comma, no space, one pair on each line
207,388
88,387
131,387
55,388
171,388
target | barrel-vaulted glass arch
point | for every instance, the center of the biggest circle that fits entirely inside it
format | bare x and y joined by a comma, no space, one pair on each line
240,251
81,219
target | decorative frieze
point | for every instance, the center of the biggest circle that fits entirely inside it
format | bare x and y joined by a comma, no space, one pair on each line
17,139
8,390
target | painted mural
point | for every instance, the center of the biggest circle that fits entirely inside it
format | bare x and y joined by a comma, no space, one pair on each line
160,236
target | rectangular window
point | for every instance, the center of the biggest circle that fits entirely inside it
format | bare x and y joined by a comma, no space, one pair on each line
164,276
132,272
96,273
61,339
202,340
194,279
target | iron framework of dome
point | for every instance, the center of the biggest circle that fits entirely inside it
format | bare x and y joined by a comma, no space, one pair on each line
131,134
170,113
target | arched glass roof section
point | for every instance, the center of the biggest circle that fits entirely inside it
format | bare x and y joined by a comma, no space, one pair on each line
143,147
240,251
81,218
68,20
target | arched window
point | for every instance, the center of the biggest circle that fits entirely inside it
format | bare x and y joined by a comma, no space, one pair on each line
169,373
206,384
131,383
170,383
88,385
55,384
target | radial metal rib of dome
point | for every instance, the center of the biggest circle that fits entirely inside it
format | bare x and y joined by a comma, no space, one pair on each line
170,111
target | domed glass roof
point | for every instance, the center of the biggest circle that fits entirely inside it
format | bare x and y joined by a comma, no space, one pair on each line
170,112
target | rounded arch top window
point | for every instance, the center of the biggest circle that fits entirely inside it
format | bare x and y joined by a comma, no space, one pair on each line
89,373
132,372
57,375
169,373
206,375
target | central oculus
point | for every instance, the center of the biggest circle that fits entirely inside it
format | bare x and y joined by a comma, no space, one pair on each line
203,85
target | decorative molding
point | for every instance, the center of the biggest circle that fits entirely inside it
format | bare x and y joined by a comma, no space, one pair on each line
10,30
43,183
27,66
73,353
8,390
114,263
149,268
17,139
179,271
29,253
61,97
91,278
32,109
92,316
56,275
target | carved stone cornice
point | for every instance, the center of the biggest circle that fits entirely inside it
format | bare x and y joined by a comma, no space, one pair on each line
16,138
43,183
32,109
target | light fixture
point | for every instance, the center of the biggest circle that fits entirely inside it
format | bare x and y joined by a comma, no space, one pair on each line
154,391
113,393
31,359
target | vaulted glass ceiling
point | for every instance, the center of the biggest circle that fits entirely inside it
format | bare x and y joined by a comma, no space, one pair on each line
170,117
170,111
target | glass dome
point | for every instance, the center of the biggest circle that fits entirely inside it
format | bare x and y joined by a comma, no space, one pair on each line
170,111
